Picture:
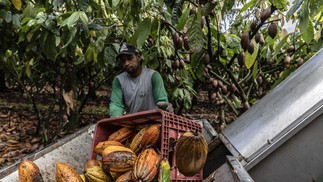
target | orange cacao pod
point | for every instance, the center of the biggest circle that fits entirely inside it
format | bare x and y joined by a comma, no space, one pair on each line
122,134
66,173
135,144
29,172
191,153
118,159
151,136
146,165
125,177
102,145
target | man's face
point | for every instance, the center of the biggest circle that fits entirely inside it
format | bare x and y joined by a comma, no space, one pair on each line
130,63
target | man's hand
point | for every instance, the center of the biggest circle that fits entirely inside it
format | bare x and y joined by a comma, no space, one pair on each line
165,106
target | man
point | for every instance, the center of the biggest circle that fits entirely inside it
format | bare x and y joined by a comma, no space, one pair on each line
137,88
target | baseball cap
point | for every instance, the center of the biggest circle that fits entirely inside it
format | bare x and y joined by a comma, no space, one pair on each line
127,49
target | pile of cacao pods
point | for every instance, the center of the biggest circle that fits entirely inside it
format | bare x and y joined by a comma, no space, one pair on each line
131,154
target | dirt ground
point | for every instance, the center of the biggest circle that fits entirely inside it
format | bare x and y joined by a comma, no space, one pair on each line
18,122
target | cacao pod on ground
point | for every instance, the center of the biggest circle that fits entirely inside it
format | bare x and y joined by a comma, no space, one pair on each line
191,153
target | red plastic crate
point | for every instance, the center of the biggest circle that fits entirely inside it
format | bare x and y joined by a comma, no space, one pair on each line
172,128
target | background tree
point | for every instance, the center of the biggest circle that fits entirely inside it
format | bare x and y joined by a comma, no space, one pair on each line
68,49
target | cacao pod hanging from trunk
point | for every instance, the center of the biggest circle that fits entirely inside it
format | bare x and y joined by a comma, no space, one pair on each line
191,153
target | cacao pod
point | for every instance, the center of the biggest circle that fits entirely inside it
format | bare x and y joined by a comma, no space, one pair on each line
191,153
126,177
245,41
29,172
164,171
122,134
151,136
66,173
251,48
146,165
257,37
102,145
241,59
90,163
136,141
272,30
265,14
83,177
186,43
253,25
118,159
97,174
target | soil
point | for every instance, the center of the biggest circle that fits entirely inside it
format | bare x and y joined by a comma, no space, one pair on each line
18,121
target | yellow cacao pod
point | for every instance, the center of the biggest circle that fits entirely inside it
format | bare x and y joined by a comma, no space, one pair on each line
126,177
97,174
118,159
29,172
66,173
102,145
191,153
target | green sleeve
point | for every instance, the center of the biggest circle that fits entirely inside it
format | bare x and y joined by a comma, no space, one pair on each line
116,106
159,90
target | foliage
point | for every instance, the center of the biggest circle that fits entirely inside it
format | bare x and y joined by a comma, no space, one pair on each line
68,48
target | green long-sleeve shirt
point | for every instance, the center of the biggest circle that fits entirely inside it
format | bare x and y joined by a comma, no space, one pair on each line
136,94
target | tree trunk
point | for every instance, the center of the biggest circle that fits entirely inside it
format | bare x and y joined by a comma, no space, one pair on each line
70,97
2,81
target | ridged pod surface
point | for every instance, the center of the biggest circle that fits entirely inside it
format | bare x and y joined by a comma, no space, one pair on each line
126,177
151,136
102,145
146,165
118,158
135,144
66,173
29,172
122,134
96,174
191,153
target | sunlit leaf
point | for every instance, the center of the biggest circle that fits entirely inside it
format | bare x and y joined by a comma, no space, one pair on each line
142,32
71,20
296,5
280,4
248,5
17,4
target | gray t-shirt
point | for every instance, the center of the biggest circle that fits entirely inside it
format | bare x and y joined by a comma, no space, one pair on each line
137,92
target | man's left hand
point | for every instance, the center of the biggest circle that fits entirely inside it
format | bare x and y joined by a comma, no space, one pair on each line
165,106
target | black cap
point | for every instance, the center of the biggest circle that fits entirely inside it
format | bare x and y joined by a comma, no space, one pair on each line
127,49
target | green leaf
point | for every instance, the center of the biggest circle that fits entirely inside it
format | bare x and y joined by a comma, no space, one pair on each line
196,34
7,15
16,20
50,47
280,4
306,25
207,8
248,5
182,21
71,20
280,45
255,70
142,33
5,2
294,8
177,11
251,58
